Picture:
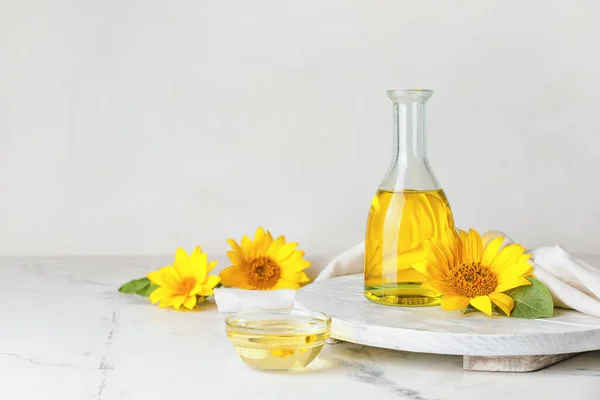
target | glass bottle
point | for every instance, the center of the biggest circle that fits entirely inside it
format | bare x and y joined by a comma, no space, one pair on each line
409,207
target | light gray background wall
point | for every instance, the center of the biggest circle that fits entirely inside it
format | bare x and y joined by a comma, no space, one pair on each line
140,126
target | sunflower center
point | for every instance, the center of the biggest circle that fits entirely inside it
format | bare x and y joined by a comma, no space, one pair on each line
472,280
263,273
186,285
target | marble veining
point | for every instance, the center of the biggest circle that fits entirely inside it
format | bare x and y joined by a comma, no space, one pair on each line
104,367
361,367
67,334
32,361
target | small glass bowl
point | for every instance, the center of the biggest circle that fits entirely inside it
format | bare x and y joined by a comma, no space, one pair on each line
278,340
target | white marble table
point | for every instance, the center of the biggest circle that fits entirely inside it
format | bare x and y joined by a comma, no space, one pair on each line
67,334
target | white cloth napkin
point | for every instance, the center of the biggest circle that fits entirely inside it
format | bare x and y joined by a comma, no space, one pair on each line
233,300
573,283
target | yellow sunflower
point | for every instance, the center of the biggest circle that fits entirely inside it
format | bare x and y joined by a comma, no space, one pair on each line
185,282
264,263
465,272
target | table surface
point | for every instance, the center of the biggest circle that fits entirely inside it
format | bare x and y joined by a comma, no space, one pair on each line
68,334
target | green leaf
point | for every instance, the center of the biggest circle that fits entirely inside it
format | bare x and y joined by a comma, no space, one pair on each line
533,301
148,290
142,286
135,285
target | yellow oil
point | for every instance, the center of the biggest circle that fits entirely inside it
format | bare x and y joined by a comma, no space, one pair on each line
398,224
277,351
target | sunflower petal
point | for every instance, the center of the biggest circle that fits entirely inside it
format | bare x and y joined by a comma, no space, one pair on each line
491,250
448,248
235,246
198,266
208,286
464,244
177,301
211,265
482,303
454,302
515,270
261,242
190,302
235,257
476,245
438,256
451,241
159,294
234,276
299,277
166,277
436,272
285,251
297,255
524,258
442,287
182,263
269,235
508,256
512,283
298,266
285,284
259,235
167,302
246,245
275,246
503,301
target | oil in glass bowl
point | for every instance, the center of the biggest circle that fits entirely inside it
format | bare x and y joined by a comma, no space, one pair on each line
278,340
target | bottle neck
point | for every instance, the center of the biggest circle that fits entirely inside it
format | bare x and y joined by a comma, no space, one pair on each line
409,132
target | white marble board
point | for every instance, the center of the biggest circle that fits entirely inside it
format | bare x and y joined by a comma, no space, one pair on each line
433,330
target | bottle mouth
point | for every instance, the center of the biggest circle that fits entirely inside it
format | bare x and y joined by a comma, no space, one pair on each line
400,95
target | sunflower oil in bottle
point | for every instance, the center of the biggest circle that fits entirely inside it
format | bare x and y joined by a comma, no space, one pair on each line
409,208
398,224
